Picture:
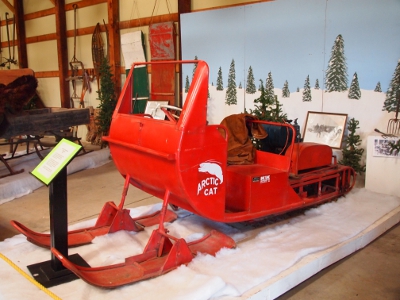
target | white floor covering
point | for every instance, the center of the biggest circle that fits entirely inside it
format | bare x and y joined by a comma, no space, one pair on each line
19,185
267,262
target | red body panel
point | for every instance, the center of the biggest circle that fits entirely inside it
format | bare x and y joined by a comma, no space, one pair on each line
307,156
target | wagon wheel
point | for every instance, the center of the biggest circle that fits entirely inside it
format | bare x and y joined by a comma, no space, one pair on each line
171,112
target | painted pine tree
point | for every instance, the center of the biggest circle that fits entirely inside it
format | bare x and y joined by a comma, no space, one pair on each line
220,83
269,86
187,84
285,90
378,87
390,103
250,85
307,90
231,93
268,108
351,152
354,90
336,73
262,104
107,98
278,115
316,84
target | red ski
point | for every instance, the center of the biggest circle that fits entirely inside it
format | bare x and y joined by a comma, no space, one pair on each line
111,219
103,226
162,254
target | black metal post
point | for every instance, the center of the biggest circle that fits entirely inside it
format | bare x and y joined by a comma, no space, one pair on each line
52,272
59,217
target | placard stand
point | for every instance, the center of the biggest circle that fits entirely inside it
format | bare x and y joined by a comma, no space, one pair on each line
52,272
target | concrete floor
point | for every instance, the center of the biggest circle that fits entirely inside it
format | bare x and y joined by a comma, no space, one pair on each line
370,273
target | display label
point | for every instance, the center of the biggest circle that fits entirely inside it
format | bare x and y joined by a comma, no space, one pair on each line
56,160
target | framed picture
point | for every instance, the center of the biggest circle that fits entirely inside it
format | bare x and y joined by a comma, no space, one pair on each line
382,147
153,108
325,128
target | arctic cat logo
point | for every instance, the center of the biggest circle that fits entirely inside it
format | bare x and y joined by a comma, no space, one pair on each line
209,186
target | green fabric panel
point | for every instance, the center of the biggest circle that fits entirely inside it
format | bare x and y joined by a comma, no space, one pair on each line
140,89
140,85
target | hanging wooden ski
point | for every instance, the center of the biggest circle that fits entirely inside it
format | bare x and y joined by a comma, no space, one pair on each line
97,52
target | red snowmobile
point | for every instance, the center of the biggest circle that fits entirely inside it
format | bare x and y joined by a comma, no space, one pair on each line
175,155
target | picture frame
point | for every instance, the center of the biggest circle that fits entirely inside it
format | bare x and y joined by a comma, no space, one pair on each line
382,147
325,128
153,109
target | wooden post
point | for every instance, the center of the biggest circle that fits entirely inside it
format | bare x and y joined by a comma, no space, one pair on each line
115,43
59,217
20,26
62,49
184,6
52,272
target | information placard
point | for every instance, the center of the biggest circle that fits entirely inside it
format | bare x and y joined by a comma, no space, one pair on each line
57,159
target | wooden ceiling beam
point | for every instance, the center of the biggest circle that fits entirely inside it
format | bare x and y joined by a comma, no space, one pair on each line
51,11
89,30
148,20
9,6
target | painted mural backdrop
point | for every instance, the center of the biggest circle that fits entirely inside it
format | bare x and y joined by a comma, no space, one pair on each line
314,55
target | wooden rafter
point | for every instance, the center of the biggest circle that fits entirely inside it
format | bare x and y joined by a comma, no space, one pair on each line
146,21
89,30
9,6
51,11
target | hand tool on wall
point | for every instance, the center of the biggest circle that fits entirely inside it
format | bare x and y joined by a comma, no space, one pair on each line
11,59
75,64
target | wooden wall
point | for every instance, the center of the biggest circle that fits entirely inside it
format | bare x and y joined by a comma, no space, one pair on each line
44,36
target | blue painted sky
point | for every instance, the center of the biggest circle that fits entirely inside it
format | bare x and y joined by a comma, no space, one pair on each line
294,38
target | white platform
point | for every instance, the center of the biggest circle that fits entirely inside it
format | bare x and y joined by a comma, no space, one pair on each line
313,263
267,262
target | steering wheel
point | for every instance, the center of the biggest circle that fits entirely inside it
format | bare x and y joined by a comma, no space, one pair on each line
172,116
